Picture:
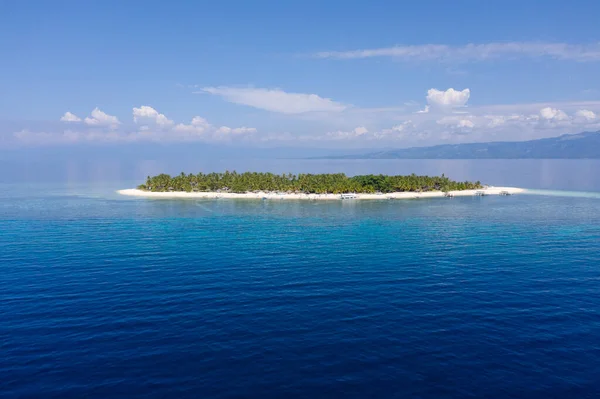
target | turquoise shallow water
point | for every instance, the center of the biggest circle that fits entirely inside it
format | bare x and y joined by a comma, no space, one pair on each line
105,296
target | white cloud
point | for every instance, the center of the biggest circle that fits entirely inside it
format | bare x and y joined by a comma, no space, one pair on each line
449,98
69,117
200,128
586,114
424,110
553,114
181,127
465,123
496,120
359,131
146,113
344,135
238,130
462,121
276,100
224,130
395,131
198,121
198,125
346,129
500,120
101,127
476,52
402,130
99,118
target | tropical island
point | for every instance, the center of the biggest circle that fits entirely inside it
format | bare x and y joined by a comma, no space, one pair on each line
308,186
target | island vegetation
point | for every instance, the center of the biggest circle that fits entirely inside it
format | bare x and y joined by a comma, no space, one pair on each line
335,183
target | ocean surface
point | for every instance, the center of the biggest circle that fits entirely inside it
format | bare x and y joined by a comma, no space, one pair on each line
103,296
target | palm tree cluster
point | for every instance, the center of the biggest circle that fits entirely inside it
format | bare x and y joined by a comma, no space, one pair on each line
334,183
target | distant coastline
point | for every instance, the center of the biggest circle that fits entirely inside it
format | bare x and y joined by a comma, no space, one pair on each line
584,145
303,196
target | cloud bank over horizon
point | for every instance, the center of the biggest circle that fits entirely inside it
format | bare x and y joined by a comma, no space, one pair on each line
446,118
148,125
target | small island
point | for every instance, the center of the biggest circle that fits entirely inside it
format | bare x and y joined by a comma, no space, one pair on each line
309,186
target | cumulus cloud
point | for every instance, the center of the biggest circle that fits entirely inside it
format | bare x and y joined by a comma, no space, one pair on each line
100,118
586,114
475,52
198,125
553,114
145,114
496,120
101,127
457,121
69,117
402,130
447,121
199,121
448,99
500,120
359,131
200,128
276,100
466,123
237,130
181,127
547,121
344,135
395,131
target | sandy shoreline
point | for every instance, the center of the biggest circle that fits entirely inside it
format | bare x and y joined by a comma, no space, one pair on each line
281,196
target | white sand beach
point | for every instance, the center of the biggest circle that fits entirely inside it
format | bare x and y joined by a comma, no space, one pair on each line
283,196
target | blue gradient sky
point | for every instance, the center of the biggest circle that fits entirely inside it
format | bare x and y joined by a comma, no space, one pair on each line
267,73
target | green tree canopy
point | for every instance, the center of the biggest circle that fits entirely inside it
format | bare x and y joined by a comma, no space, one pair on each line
334,183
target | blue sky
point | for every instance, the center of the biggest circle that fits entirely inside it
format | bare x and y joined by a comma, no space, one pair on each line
337,74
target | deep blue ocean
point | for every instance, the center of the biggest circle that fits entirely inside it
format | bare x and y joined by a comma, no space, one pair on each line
103,296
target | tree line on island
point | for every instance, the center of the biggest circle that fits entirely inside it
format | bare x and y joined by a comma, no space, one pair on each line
333,183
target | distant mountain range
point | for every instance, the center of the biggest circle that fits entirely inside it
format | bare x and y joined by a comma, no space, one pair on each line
576,146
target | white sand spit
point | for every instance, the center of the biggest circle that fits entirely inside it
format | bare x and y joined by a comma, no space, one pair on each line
284,196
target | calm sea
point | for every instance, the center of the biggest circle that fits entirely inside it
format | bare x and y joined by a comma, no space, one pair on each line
104,296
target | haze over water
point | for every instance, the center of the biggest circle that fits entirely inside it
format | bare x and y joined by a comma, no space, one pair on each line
550,174
107,296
